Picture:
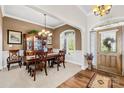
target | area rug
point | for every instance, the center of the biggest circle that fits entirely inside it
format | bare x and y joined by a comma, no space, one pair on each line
100,81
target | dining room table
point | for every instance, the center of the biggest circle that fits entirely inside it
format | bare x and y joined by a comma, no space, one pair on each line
50,57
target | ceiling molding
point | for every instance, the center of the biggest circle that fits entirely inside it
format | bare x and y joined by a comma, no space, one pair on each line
25,20
52,15
38,9
110,19
2,9
108,26
82,9
87,14
59,25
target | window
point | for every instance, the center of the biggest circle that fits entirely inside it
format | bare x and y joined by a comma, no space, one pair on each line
108,41
67,41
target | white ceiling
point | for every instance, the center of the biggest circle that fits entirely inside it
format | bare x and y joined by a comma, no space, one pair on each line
26,13
34,14
87,9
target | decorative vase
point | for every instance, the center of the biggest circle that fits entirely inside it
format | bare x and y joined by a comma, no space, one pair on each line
89,64
89,61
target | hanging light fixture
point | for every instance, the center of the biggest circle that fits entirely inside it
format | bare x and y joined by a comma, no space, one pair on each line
101,10
44,32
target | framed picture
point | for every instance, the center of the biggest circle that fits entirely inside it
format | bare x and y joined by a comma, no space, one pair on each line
14,37
49,40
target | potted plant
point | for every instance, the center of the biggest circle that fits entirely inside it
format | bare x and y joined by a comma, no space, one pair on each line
89,58
33,32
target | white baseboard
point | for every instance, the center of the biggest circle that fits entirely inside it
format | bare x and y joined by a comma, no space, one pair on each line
70,61
3,67
77,63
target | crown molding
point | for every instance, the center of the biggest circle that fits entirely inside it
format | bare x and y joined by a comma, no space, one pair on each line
87,14
108,26
38,9
57,17
59,25
109,19
82,9
29,21
2,9
25,20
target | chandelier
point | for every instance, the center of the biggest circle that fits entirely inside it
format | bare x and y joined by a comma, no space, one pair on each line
44,32
101,10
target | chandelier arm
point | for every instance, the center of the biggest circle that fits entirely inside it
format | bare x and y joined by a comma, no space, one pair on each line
45,21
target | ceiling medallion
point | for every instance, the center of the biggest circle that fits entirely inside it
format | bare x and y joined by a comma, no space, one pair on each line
101,10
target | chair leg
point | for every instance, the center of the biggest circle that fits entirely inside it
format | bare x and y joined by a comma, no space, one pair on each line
49,63
30,71
8,66
20,64
57,66
45,69
34,75
26,67
64,64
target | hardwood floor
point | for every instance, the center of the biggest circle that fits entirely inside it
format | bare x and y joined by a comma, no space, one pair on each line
82,79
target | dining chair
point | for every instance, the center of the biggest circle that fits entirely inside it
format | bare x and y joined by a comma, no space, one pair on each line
14,58
40,63
50,50
61,59
28,58
50,59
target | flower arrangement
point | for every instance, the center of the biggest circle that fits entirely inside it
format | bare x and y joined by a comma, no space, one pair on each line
89,56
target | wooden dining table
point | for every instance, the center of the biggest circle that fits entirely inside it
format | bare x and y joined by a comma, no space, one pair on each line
50,57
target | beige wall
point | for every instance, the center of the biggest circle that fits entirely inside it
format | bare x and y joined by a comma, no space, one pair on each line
17,25
56,36
24,27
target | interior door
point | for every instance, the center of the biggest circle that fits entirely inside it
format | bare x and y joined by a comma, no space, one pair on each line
109,50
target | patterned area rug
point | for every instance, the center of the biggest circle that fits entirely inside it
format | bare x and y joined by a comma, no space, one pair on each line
100,81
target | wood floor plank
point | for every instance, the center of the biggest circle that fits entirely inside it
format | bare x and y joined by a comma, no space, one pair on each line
82,79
